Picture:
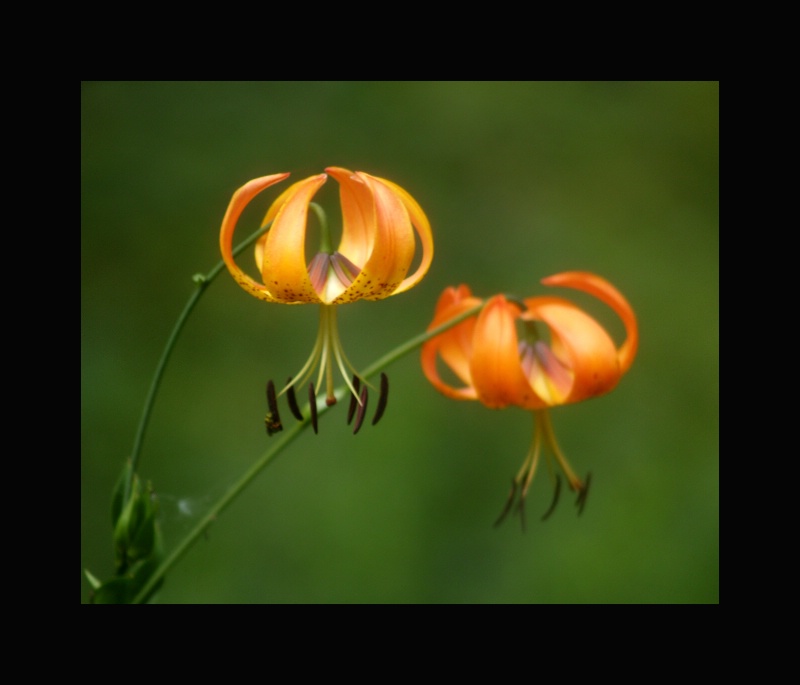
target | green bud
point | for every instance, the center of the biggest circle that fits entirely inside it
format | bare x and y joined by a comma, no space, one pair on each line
135,530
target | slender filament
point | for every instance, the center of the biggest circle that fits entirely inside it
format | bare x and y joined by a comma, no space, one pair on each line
327,348
544,426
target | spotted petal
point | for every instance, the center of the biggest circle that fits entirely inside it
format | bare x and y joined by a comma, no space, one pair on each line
378,223
284,268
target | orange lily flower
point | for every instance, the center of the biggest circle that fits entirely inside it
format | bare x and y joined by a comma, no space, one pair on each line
537,353
379,223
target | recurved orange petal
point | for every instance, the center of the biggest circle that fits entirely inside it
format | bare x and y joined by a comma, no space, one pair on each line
423,229
358,215
239,201
496,369
454,345
391,246
284,267
379,221
607,293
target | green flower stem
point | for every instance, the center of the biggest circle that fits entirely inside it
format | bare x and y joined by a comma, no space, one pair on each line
235,490
325,241
202,281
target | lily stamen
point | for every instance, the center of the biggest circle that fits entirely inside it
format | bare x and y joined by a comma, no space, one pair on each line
580,502
292,400
362,400
543,431
351,410
272,420
508,504
312,403
545,426
383,398
327,348
556,494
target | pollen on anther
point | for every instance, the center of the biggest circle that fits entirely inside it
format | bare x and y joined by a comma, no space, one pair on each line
272,420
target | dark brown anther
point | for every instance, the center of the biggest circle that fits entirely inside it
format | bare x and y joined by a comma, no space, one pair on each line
508,504
312,402
581,501
351,411
272,420
361,410
383,398
553,504
291,398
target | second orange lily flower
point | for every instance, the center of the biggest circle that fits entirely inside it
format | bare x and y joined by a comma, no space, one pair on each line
535,353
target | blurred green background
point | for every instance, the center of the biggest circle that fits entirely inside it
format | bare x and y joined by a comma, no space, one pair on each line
520,181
